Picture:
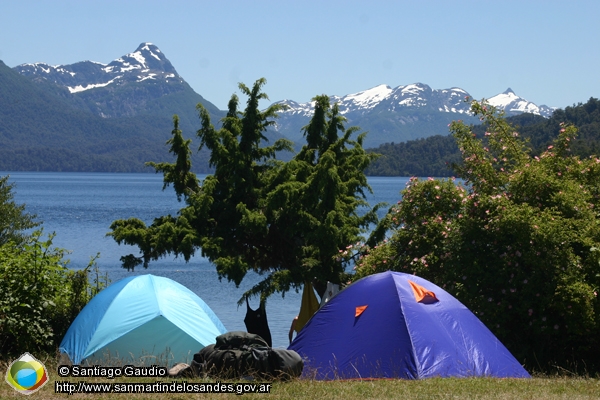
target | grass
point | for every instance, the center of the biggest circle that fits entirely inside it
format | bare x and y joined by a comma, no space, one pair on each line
539,387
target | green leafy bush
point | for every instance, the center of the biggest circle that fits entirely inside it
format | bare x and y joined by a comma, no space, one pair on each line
517,244
40,296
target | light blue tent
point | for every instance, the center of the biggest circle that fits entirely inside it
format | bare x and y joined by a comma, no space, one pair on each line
142,318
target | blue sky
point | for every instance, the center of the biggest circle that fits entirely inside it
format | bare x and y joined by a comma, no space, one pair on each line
546,51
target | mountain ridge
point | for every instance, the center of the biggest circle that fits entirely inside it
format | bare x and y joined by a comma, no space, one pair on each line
403,113
141,91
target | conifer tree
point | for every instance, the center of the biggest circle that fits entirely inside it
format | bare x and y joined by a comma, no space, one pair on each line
14,221
287,221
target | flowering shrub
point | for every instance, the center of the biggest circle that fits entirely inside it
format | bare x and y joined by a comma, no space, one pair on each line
518,243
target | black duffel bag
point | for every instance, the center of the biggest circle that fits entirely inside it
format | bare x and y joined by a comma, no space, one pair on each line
240,354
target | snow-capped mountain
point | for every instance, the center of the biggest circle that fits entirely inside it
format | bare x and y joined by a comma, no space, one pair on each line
147,62
414,95
513,104
402,113
418,95
139,83
101,107
145,82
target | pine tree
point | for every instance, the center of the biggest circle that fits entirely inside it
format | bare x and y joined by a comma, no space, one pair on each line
14,221
287,221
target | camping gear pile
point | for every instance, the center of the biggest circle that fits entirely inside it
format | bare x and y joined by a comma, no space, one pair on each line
242,354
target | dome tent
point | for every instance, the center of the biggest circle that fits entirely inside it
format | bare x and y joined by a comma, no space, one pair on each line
395,325
142,316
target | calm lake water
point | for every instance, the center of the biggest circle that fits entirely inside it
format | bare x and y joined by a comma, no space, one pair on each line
79,208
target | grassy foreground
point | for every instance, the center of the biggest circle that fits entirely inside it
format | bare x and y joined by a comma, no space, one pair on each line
541,387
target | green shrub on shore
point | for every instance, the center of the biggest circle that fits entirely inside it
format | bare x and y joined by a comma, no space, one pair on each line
39,295
518,244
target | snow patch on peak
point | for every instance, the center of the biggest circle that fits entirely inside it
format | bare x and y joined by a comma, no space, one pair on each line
414,88
513,104
368,98
503,99
456,90
137,56
81,88
146,46
151,49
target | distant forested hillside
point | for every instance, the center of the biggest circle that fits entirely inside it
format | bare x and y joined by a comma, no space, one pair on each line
422,157
41,130
433,156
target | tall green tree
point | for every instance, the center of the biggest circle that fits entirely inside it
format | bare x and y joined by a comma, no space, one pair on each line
518,243
317,202
14,221
287,221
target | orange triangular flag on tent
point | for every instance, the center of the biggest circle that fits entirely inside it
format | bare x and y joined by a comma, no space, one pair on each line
359,310
422,295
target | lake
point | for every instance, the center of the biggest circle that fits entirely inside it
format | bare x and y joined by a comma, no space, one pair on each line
79,208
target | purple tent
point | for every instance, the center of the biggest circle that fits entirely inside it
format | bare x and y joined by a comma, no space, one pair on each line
395,325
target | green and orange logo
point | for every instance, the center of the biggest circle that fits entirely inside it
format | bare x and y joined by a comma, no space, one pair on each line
27,374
